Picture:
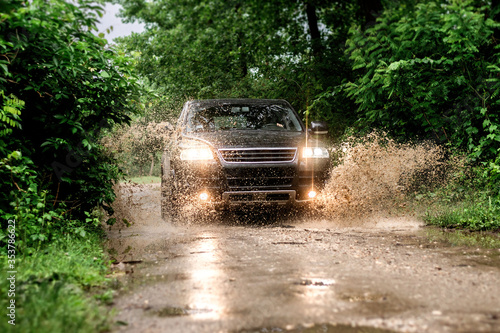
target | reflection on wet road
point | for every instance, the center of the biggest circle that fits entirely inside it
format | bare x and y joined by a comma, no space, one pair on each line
206,299
298,274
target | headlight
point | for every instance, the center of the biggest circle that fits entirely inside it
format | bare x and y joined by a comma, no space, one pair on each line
315,152
192,150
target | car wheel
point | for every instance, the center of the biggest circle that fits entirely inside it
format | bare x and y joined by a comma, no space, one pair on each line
169,209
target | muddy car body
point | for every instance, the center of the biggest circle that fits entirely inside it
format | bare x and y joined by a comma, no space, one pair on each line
239,152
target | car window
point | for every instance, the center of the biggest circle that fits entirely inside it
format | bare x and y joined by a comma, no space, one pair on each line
242,117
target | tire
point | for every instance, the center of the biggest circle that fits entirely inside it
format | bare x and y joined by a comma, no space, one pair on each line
169,209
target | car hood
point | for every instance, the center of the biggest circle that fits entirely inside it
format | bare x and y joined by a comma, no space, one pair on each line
250,138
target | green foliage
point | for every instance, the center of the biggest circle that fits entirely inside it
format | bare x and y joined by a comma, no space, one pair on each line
9,114
475,216
61,87
50,287
430,71
73,86
493,174
466,200
28,202
261,49
25,202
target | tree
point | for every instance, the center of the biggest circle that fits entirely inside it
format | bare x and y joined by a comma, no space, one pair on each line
266,49
431,71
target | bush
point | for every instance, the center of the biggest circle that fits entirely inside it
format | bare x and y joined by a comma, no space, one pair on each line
466,201
475,216
431,71
61,87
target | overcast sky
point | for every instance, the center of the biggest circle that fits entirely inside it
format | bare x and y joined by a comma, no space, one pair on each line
119,29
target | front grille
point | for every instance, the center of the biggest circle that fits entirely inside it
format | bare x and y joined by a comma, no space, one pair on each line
278,197
258,155
259,178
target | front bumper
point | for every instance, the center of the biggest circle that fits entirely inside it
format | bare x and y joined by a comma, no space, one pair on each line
279,197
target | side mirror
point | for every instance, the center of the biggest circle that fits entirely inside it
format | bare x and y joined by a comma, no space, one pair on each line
319,127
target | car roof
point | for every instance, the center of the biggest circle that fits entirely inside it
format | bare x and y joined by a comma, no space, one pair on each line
255,101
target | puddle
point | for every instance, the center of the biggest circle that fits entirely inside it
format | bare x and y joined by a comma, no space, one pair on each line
213,287
315,283
169,311
172,311
129,281
373,303
319,328
366,297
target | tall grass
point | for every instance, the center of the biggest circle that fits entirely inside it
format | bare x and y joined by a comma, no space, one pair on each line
52,289
468,200
477,215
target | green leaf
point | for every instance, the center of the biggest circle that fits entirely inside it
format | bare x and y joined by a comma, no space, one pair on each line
104,74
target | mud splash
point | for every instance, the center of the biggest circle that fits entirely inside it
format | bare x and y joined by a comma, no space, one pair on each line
375,173
371,177
135,203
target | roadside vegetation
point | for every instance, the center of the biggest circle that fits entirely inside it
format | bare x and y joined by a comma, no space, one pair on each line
464,205
61,89
61,288
436,76
145,180
421,71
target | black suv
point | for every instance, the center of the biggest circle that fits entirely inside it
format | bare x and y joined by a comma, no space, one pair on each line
237,152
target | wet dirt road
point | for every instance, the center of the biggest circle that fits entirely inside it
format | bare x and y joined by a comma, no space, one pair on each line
275,273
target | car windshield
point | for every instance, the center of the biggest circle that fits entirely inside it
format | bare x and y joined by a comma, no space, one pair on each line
269,117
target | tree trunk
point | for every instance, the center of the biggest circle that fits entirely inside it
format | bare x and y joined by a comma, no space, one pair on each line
494,5
369,10
312,21
241,50
152,165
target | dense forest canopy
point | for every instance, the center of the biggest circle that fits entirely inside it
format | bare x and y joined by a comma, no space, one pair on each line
418,69
274,49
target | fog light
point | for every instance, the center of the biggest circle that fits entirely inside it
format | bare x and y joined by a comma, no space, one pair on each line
311,194
203,196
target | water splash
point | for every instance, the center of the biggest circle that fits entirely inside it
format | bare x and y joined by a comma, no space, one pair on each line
372,175
375,172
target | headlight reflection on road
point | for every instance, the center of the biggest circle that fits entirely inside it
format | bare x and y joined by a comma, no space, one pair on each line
315,292
206,298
